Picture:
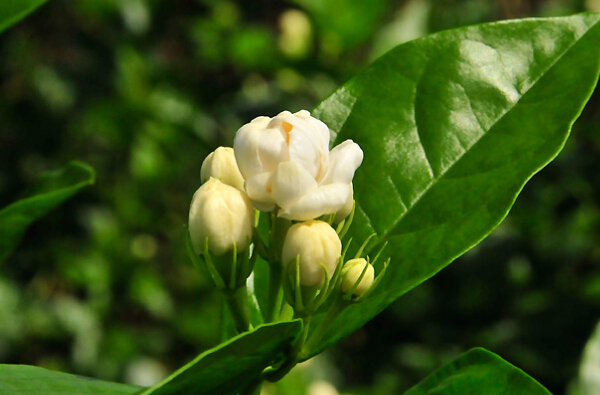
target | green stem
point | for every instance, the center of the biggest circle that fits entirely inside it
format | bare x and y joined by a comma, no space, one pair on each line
319,331
279,227
237,301
275,292
292,359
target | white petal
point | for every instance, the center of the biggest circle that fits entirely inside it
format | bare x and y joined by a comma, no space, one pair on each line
309,144
259,189
259,149
321,131
326,199
344,159
291,181
346,209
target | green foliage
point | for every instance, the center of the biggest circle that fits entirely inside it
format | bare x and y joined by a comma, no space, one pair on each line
234,366
453,125
478,371
344,23
12,12
144,90
52,189
26,380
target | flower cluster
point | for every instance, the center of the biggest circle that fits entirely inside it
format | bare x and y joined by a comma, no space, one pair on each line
281,166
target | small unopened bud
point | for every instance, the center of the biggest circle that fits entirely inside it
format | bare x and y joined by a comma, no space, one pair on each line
317,245
221,165
351,273
223,214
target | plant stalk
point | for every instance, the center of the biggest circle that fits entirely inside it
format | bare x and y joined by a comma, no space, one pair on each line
310,343
237,302
279,227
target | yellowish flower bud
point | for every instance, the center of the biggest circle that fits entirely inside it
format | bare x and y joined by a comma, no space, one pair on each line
317,244
223,214
351,273
221,164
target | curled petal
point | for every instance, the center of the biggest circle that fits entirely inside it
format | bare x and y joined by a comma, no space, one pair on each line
259,149
344,159
308,142
326,199
259,188
290,182
346,209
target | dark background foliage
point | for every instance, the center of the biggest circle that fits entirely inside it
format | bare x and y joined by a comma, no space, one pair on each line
144,90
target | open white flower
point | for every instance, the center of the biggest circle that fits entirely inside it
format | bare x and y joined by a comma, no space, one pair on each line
286,163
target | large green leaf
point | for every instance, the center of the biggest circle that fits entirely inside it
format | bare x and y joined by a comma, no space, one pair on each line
233,366
28,380
478,371
12,11
452,126
52,189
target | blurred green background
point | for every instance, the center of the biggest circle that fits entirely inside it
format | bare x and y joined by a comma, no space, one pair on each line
143,90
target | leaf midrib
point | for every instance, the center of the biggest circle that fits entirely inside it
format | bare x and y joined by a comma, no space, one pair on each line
386,234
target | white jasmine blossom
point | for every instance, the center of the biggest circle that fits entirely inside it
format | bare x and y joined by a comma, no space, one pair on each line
222,213
221,165
286,163
352,271
316,244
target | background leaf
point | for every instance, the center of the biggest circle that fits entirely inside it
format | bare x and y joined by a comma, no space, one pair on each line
12,12
27,380
232,366
52,189
478,371
452,126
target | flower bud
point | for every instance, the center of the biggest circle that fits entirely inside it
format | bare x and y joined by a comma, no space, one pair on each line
221,164
351,273
223,214
317,245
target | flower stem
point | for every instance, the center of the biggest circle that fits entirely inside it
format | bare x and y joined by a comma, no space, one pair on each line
292,359
311,343
275,292
237,302
279,227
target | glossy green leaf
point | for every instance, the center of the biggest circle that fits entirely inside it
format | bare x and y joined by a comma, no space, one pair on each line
233,366
12,12
52,189
478,371
28,380
452,126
